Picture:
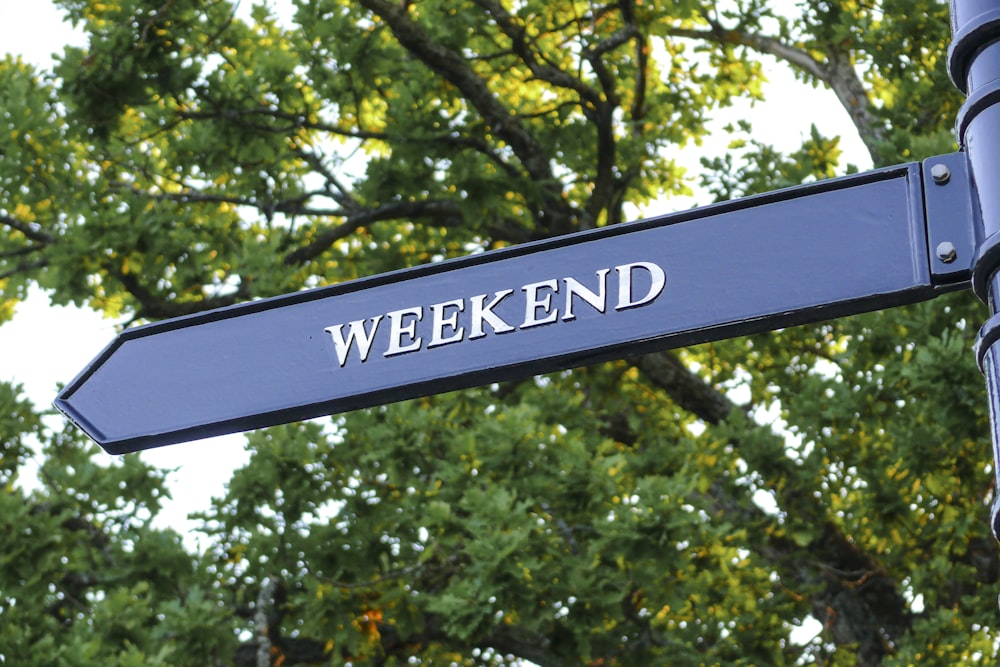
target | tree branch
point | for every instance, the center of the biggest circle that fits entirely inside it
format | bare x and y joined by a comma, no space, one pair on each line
21,252
291,206
863,612
454,68
33,233
799,58
24,266
153,307
553,212
262,626
687,389
837,72
444,213
548,73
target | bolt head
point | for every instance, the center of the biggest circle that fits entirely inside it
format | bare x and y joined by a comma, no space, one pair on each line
940,173
946,252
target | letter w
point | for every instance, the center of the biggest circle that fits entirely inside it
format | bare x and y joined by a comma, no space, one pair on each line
355,332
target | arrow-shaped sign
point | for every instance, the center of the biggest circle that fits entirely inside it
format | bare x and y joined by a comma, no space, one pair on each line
799,255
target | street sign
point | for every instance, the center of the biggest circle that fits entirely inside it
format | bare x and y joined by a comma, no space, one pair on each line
804,254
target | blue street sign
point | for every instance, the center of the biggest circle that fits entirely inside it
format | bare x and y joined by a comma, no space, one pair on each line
799,255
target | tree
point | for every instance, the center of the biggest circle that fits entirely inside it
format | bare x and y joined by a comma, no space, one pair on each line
632,512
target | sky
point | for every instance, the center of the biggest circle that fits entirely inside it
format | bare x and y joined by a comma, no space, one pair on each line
45,346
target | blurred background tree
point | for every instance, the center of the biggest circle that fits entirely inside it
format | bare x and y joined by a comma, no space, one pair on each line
695,507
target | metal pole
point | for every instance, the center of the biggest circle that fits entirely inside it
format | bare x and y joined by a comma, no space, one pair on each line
974,65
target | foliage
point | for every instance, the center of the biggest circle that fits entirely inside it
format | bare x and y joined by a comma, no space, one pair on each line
692,508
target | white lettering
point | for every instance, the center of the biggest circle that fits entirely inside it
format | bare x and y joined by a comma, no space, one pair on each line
397,329
355,332
439,322
575,288
639,283
483,313
657,280
532,304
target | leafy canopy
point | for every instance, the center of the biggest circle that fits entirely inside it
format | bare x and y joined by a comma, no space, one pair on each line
813,495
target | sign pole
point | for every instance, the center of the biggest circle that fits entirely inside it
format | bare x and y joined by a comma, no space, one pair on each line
974,65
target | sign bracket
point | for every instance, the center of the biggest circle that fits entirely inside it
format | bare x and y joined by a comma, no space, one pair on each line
952,222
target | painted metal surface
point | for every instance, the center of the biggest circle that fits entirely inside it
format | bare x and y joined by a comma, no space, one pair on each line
952,218
974,65
824,250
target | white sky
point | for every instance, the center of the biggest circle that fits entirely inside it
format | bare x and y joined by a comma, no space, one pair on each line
45,345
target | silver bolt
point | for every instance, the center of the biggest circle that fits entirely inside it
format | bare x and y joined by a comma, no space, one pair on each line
946,252
940,173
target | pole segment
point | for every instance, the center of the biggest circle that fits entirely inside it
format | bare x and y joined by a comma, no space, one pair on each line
974,66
